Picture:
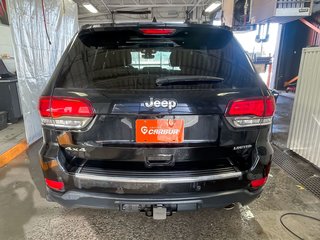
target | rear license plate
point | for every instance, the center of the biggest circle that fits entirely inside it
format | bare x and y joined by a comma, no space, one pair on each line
159,130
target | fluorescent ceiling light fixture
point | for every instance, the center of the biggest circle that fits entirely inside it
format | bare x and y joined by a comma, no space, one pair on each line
90,7
212,7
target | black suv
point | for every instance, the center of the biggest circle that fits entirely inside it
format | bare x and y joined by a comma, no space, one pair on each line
155,118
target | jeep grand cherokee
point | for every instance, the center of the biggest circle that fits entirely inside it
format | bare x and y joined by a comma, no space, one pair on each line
155,118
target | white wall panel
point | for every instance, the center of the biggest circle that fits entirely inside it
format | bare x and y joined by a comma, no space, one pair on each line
6,48
304,133
35,58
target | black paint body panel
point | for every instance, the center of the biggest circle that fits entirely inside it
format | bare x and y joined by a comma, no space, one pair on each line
107,146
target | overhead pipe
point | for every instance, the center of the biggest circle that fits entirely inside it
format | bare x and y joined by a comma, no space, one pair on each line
287,83
310,25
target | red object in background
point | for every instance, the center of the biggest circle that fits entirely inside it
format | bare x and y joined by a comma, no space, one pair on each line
291,89
3,13
3,8
314,36
269,75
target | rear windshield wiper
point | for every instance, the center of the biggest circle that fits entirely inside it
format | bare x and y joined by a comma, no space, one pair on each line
187,79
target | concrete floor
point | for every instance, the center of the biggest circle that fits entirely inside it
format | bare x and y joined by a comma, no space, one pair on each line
11,135
281,122
24,214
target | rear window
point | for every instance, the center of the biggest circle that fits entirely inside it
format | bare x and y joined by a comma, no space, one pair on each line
111,60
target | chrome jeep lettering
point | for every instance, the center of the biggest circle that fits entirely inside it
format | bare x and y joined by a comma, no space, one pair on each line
164,103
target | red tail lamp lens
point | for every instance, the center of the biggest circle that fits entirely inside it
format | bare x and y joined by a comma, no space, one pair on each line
56,107
258,182
250,112
157,31
55,185
260,107
243,107
270,106
44,107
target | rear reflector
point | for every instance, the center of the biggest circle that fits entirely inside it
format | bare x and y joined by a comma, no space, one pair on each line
55,185
261,181
258,182
157,31
250,112
65,112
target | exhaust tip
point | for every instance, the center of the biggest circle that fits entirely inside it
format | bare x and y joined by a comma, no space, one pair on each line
230,206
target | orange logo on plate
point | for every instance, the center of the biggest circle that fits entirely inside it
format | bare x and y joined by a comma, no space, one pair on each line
159,130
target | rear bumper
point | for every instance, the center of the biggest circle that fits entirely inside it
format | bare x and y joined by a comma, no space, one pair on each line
111,189
75,199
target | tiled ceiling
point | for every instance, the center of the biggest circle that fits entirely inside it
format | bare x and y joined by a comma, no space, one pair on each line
163,10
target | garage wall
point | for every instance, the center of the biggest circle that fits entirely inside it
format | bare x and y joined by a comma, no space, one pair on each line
304,133
290,51
6,49
35,57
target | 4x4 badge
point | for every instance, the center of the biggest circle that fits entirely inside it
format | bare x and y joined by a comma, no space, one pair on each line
75,149
164,103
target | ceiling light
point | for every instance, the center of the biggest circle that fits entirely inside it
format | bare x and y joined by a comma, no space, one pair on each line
212,7
90,7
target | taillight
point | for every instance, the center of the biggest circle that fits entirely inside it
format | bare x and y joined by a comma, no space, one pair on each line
258,182
65,112
270,106
250,112
157,31
55,185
